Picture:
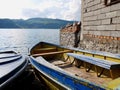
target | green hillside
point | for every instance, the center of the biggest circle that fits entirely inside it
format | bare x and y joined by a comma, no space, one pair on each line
7,23
34,23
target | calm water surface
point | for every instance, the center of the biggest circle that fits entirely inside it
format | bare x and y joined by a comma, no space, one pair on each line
21,40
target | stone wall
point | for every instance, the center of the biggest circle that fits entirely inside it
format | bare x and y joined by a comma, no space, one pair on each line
100,43
67,39
70,35
100,26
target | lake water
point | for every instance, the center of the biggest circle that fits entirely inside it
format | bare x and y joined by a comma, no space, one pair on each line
21,40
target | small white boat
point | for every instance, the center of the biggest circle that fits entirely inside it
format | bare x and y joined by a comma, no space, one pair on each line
12,65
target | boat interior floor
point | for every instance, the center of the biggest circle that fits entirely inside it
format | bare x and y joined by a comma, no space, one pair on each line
81,72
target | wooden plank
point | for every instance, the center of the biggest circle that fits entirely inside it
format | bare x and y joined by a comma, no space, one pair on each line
51,53
42,49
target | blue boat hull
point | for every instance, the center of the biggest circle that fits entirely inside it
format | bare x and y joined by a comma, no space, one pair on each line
63,79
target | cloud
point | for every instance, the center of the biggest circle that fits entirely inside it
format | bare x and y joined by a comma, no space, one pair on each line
74,10
61,9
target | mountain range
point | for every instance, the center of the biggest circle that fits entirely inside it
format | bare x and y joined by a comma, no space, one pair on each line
46,23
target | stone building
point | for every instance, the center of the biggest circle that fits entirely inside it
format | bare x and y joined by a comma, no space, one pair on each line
100,25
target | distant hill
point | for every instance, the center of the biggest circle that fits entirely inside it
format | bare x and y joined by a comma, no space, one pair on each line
34,23
7,23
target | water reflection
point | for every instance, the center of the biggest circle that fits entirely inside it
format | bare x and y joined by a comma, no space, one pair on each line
21,40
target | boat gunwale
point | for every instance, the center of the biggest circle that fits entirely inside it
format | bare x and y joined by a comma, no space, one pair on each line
101,53
11,59
31,61
8,52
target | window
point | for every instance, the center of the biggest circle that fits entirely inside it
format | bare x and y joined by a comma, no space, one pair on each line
110,2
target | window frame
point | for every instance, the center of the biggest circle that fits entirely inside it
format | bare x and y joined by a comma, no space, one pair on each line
111,2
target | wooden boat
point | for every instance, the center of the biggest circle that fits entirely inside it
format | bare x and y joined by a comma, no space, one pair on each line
12,65
70,68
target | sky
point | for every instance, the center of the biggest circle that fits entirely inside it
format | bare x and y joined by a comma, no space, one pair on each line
56,9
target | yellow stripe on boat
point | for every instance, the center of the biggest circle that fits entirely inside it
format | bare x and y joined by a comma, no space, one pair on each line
88,54
114,85
49,84
99,56
79,52
113,59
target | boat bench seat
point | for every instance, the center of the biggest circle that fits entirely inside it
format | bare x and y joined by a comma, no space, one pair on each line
104,64
51,53
44,50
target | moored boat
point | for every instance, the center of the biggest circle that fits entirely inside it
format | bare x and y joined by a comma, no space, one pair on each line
70,68
12,65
